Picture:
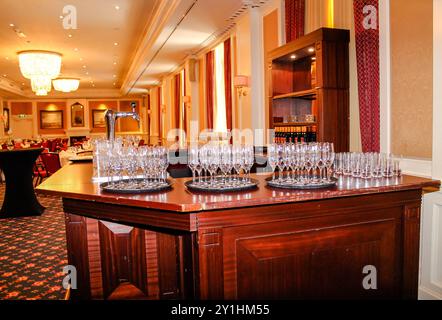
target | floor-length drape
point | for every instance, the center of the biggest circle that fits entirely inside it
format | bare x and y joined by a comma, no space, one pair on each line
209,88
177,101
294,19
160,113
184,104
367,55
228,82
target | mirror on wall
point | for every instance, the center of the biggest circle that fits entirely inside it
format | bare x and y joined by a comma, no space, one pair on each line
77,115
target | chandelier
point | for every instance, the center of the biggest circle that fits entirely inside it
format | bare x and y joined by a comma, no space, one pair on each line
66,84
41,85
40,67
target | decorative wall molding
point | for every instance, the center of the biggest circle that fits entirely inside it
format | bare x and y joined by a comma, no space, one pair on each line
431,248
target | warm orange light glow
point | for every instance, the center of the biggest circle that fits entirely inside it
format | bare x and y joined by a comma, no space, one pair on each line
330,13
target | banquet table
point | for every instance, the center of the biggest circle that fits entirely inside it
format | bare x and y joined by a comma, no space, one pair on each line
17,166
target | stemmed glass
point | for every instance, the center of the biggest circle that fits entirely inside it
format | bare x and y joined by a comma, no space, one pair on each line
249,159
225,164
193,161
273,158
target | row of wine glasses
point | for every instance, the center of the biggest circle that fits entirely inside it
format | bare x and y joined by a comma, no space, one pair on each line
130,167
224,161
302,163
367,165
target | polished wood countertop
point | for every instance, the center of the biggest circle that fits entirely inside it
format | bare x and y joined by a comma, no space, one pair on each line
74,182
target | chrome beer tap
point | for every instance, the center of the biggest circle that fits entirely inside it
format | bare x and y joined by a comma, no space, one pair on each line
111,117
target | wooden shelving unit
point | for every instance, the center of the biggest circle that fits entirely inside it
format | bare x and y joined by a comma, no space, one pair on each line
305,94
311,76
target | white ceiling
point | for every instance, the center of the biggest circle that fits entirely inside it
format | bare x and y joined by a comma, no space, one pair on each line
100,25
143,54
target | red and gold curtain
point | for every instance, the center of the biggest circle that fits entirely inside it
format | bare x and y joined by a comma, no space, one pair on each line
160,112
209,88
177,101
294,19
367,54
228,82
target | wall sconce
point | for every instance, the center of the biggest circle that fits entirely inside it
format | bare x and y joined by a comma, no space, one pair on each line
187,100
241,83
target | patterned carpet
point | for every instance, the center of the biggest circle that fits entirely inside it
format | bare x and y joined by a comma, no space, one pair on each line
33,253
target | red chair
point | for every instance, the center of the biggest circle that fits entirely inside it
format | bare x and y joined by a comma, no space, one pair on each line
141,143
4,146
51,162
39,172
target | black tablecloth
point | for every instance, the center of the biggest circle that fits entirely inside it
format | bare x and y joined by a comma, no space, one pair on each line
20,199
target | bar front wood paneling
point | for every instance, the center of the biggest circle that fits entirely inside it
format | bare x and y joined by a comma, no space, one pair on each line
262,244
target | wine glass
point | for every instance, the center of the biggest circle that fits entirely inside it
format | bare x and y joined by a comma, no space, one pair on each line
272,157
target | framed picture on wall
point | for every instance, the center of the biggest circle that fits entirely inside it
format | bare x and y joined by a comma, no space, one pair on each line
6,119
77,115
51,119
98,120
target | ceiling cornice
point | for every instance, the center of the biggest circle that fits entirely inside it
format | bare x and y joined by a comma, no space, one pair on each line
11,87
143,53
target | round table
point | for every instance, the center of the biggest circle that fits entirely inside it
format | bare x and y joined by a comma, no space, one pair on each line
20,199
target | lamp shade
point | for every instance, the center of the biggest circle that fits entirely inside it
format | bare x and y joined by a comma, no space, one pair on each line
241,81
66,84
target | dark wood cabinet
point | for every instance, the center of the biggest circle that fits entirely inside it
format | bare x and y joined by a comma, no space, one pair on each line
309,87
293,251
258,244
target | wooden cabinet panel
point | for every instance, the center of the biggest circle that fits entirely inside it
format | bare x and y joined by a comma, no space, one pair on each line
318,264
116,261
318,258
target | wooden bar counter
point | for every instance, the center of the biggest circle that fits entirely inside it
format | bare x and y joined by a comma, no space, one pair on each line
263,244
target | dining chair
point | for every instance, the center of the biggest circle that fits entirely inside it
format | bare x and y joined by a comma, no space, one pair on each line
51,162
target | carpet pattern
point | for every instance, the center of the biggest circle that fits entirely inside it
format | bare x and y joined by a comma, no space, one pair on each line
33,253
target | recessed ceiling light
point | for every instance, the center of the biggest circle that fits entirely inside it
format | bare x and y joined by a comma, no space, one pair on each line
12,25
5,75
81,59
70,35
115,43
117,7
114,76
84,67
311,49
61,17
293,56
115,63
87,72
75,49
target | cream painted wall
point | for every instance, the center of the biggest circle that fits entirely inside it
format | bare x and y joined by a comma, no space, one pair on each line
243,67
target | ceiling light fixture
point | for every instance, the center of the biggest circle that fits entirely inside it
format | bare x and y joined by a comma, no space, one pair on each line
40,67
293,56
75,49
12,25
117,7
311,49
70,35
115,43
41,85
66,84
